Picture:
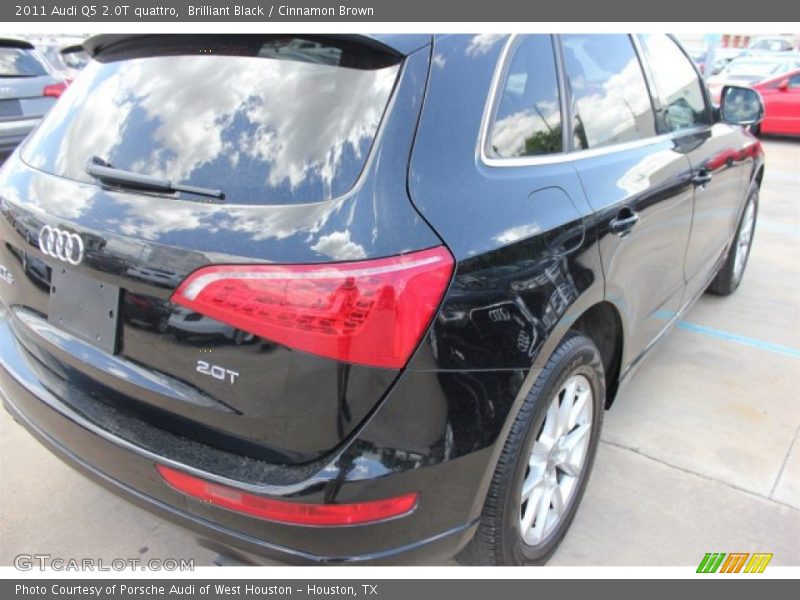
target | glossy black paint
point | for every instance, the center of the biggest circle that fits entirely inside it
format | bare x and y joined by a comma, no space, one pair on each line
536,254
286,405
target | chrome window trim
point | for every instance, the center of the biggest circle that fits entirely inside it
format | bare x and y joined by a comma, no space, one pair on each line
560,157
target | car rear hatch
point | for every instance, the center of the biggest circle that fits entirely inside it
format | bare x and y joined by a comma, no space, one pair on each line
27,90
295,151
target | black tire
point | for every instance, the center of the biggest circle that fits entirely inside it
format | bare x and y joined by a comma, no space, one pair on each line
727,279
498,540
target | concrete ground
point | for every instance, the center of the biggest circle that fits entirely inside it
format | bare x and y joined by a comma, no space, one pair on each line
701,454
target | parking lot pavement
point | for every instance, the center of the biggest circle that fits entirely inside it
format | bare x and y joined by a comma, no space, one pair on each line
701,453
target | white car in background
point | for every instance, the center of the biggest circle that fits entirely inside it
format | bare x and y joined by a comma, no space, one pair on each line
65,54
751,70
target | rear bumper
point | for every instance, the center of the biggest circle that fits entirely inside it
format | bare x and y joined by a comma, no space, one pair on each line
13,133
441,525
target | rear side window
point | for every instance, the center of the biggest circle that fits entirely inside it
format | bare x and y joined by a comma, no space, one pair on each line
74,59
677,83
611,102
527,118
268,120
19,62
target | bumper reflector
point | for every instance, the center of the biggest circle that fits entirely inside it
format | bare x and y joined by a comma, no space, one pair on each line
281,511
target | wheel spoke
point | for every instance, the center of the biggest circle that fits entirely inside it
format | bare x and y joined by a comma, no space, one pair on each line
577,408
567,402
569,468
530,484
541,448
570,442
557,499
531,510
551,420
542,514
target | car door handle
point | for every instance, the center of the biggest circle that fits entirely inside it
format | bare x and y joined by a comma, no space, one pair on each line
702,178
622,224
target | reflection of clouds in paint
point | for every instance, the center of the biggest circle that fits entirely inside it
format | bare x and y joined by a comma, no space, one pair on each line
298,123
676,78
313,139
338,246
156,216
619,110
278,223
90,132
482,43
637,178
514,234
509,133
72,200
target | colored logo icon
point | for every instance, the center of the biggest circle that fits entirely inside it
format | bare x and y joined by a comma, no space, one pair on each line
734,562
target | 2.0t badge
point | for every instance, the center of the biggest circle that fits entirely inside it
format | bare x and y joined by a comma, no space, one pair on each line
60,244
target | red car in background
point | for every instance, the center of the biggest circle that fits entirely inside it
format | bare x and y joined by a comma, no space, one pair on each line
781,97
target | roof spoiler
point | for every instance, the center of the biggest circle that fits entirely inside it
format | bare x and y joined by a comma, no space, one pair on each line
9,42
109,47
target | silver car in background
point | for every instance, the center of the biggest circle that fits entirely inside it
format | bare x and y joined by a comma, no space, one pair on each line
65,54
27,91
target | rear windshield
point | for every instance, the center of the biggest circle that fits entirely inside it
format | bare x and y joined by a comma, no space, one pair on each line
74,59
280,121
19,62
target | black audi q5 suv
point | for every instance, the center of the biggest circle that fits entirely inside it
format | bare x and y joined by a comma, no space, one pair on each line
362,298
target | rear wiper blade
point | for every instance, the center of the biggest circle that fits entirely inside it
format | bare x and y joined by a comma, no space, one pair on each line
100,169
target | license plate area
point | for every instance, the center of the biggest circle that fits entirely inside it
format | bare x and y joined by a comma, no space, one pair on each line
10,108
85,307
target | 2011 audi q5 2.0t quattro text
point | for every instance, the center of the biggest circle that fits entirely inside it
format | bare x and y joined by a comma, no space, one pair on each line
362,298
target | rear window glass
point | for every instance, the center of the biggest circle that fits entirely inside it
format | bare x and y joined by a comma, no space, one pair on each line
527,120
678,83
612,102
75,59
19,62
280,121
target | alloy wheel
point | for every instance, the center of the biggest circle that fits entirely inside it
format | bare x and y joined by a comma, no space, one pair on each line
744,239
557,460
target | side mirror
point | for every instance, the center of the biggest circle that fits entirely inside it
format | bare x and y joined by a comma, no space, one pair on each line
783,84
740,106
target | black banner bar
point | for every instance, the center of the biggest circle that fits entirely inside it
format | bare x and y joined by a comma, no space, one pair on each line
730,588
471,11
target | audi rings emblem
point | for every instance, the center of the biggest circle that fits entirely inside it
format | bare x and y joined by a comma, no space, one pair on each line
60,244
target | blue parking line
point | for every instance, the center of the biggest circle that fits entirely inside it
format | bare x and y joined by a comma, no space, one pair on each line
728,336
739,339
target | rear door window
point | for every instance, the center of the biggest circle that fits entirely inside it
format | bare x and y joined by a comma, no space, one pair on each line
794,81
527,118
610,100
277,120
19,62
677,83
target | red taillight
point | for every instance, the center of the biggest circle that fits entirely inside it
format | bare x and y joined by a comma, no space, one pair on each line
54,90
288,512
371,312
